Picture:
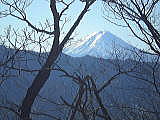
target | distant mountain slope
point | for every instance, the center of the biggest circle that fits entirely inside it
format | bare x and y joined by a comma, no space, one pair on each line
123,88
98,44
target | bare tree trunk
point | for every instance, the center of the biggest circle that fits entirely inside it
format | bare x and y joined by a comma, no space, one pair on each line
99,100
37,84
44,73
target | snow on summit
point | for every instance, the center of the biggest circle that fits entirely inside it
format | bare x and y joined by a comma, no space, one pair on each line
98,44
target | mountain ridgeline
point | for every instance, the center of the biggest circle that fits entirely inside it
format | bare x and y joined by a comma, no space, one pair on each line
129,78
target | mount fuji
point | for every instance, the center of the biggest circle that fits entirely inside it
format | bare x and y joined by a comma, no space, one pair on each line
98,44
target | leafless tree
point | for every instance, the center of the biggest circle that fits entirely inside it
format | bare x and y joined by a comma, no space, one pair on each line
17,9
143,86
141,17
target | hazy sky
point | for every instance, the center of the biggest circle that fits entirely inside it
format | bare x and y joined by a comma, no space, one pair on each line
92,22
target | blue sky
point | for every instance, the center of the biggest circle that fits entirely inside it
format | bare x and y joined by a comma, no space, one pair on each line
92,22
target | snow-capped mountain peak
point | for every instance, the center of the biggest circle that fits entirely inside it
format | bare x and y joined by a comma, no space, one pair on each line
98,44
